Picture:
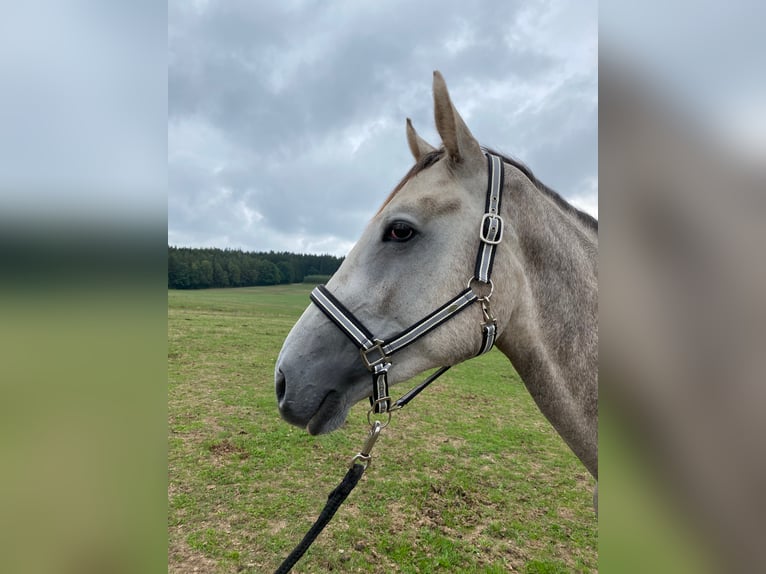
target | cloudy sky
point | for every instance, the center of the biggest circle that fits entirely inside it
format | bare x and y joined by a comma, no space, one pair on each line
286,120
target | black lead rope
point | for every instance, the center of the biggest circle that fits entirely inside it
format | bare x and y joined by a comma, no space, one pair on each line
334,501
407,397
338,496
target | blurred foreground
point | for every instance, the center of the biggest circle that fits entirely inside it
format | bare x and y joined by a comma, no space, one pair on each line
683,333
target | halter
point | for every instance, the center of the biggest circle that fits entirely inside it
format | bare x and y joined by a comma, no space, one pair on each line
376,353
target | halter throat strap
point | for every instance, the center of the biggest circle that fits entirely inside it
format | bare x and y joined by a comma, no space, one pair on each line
376,353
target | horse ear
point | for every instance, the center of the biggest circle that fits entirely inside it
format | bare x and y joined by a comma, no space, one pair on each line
457,138
418,146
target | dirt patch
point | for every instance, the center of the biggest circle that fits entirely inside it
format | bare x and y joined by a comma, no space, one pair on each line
226,447
183,560
276,526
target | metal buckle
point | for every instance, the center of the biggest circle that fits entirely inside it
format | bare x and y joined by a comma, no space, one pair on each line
500,223
377,361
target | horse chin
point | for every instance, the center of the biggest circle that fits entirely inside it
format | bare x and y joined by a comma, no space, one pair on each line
330,415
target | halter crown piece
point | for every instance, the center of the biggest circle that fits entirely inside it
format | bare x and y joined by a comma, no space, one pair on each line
376,353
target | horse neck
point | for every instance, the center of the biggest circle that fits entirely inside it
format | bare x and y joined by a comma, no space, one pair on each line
552,336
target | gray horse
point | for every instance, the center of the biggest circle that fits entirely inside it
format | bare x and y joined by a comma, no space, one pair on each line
418,251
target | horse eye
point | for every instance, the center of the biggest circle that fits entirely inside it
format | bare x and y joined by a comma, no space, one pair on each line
399,231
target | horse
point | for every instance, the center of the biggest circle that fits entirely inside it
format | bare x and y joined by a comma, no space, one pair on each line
417,252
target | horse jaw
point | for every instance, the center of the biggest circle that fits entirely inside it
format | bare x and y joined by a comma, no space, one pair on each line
330,416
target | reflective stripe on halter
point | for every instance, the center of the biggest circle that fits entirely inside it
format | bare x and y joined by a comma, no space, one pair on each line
376,353
491,230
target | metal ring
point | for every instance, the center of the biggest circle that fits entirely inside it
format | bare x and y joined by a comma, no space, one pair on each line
480,297
370,413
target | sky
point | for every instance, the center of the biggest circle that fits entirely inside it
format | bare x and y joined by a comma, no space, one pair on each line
705,58
286,120
83,112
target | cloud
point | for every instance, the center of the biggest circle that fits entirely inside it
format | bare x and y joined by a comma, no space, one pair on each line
586,198
295,111
79,110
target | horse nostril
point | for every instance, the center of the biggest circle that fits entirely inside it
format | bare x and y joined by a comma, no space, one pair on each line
280,386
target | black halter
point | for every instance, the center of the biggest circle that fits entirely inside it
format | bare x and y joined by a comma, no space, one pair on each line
376,353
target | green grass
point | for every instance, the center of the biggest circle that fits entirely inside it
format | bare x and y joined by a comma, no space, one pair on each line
468,478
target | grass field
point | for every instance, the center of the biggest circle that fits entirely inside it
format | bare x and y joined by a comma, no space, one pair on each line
468,478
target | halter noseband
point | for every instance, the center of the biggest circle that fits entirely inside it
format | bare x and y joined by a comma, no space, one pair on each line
376,353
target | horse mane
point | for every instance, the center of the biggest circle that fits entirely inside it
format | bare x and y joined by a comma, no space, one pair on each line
585,218
432,157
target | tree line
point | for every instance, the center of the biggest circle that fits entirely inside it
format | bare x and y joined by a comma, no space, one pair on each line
191,268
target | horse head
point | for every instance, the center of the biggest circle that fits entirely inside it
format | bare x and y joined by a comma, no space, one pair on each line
417,252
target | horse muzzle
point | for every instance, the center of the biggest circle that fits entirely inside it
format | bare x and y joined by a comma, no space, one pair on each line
315,411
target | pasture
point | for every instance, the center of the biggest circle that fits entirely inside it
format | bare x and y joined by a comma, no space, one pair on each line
468,478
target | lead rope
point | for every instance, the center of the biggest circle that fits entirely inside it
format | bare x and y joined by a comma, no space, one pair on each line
357,466
335,499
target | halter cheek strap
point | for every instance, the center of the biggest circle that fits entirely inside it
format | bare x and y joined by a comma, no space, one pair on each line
376,353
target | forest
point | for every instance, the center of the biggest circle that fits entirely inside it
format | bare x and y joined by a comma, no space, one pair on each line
195,268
